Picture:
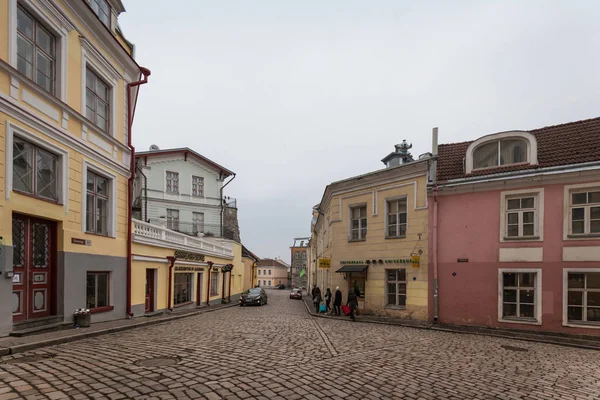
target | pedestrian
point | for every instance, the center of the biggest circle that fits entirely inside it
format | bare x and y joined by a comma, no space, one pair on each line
317,299
328,300
352,303
312,292
337,301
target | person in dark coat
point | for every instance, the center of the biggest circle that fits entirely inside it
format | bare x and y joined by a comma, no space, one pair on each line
337,302
328,300
312,292
352,303
317,299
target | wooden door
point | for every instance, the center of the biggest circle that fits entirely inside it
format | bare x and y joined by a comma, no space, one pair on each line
199,289
149,290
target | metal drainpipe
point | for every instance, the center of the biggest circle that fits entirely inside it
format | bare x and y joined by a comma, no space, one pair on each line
228,182
229,292
172,263
435,256
210,265
130,114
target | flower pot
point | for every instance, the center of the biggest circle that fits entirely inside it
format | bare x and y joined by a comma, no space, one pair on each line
83,320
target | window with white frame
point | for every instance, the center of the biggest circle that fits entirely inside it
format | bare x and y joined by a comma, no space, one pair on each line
358,223
214,283
197,186
521,217
36,51
97,200
264,283
519,297
585,212
583,299
499,153
397,218
304,256
269,272
97,100
102,10
173,219
396,287
172,182
259,271
198,222
35,170
97,289
269,283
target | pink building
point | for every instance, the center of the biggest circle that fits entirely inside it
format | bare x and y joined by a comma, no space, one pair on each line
515,230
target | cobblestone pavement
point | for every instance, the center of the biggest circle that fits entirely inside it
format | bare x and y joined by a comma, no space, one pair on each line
279,351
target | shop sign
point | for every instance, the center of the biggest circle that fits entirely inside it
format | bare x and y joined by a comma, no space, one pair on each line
324,262
82,242
379,261
416,261
181,268
188,255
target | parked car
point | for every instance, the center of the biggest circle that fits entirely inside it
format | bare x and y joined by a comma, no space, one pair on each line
296,294
281,286
254,296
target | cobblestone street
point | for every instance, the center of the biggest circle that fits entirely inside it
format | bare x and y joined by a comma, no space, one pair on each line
280,351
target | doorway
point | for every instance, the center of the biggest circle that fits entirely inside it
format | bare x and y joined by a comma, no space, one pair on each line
199,289
149,290
34,267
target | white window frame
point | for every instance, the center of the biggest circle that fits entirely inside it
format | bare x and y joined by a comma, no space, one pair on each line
538,195
62,155
565,302
178,192
112,197
170,225
387,293
192,186
198,224
530,139
567,213
386,224
46,13
350,208
538,295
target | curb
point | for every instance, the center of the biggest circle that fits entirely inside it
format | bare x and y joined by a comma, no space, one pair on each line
441,328
20,348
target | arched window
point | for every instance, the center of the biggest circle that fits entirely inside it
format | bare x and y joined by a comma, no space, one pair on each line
500,152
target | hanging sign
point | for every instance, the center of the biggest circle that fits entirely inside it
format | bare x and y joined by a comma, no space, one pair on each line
416,261
324,262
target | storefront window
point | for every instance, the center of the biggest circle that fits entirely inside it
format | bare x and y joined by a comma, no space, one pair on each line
97,289
396,287
183,288
358,282
214,283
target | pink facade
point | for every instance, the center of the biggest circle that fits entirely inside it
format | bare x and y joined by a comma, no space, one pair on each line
469,230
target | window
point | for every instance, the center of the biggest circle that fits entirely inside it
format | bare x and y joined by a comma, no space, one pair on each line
34,170
583,300
172,182
358,227
264,283
173,220
521,217
519,297
102,9
198,221
396,287
499,153
269,272
259,271
585,213
97,289
97,100
36,51
197,186
214,283
269,283
304,256
396,218
97,204
182,290
297,256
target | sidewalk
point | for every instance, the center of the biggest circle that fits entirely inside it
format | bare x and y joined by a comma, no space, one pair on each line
578,341
13,345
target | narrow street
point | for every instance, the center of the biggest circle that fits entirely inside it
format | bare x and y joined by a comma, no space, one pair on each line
280,351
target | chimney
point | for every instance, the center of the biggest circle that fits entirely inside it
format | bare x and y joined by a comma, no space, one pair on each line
434,141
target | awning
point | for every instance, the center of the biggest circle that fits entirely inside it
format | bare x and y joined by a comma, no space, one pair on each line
352,268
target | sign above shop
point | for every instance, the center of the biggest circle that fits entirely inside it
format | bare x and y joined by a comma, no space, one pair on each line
82,242
181,268
379,261
416,261
188,255
324,262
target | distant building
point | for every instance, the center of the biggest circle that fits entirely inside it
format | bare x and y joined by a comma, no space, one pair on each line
249,259
271,273
299,261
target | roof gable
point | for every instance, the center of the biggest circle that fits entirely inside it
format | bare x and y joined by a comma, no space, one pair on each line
185,151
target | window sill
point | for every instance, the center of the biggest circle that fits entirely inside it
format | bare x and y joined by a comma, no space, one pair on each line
527,321
395,307
99,310
583,235
396,237
187,303
520,238
56,203
356,240
582,324
100,235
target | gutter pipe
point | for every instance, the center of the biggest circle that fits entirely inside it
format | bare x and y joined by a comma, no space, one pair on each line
130,114
223,187
210,265
229,292
170,298
435,256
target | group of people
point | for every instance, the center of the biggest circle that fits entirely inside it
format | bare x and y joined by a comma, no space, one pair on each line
352,302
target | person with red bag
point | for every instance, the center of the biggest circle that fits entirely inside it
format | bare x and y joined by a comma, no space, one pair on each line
337,301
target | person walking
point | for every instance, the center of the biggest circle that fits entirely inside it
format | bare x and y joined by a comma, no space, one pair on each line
352,303
328,300
312,292
317,299
337,301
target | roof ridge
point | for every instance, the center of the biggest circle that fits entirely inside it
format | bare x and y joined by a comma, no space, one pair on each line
565,124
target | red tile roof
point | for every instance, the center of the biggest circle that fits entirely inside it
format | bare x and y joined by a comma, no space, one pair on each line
565,144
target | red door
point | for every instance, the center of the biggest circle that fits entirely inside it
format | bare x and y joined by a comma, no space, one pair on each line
149,290
33,241
199,289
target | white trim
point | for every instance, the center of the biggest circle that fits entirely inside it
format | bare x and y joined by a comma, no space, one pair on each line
386,200
349,208
39,104
567,208
14,87
538,295
150,259
65,120
415,193
565,302
112,196
538,195
63,161
12,33
528,137
521,254
581,253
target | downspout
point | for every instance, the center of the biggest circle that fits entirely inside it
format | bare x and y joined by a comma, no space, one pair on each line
223,187
229,292
433,171
170,298
210,265
253,272
223,291
145,192
130,114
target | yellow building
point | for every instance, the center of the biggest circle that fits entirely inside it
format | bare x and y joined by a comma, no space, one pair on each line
172,270
370,235
250,271
67,83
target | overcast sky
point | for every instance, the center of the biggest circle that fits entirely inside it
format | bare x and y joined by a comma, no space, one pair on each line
292,95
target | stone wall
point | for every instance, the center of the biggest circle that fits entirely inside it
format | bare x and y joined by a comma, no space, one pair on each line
231,228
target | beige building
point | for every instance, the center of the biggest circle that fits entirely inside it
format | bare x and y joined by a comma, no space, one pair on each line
271,273
370,233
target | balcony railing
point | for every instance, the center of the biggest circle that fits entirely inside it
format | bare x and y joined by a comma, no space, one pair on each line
188,198
143,230
197,229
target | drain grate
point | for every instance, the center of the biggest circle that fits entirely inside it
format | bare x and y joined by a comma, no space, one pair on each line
514,348
158,362
30,359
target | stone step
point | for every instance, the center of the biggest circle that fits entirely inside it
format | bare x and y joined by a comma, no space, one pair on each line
40,328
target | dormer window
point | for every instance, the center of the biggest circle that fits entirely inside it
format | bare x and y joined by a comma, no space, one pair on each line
501,149
102,9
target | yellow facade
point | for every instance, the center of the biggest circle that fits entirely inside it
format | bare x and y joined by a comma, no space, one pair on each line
332,240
